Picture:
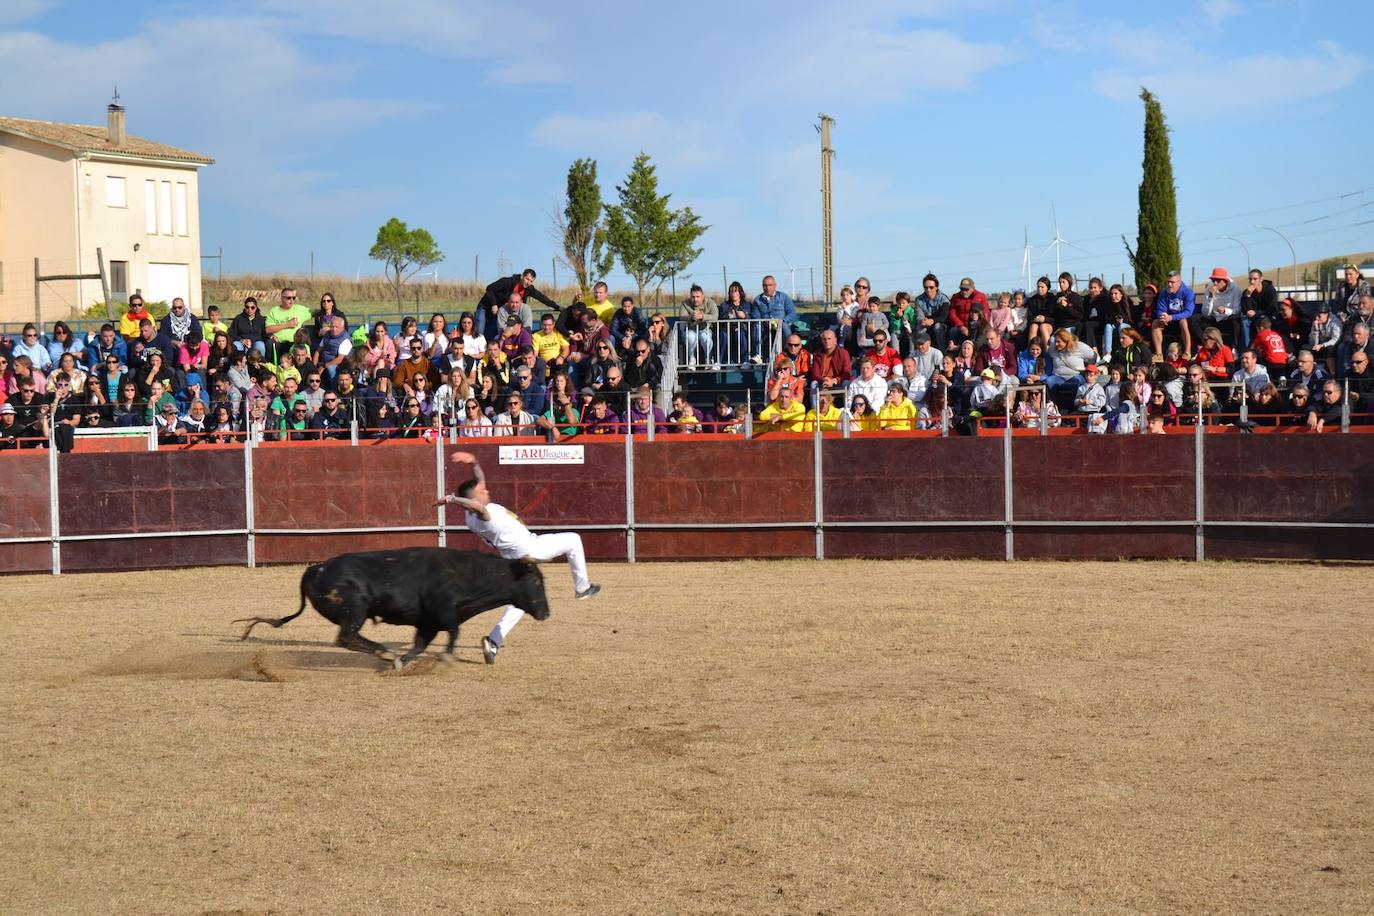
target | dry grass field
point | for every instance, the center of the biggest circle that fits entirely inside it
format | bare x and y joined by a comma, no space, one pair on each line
846,737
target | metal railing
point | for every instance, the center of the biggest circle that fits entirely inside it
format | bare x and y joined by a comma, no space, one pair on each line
727,344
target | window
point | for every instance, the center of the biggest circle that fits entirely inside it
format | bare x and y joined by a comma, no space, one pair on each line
119,279
181,208
164,208
115,194
150,207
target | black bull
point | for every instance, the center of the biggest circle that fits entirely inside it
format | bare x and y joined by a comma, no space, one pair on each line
429,588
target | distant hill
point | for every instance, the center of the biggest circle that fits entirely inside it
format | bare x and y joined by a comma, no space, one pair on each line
1311,271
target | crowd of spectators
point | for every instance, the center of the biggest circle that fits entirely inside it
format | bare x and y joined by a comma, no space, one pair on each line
1099,358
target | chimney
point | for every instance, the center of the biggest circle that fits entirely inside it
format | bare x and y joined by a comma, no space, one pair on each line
116,134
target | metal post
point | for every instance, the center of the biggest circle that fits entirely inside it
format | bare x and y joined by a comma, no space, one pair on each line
221,262
827,236
1199,542
724,282
474,267
440,486
1345,406
554,263
54,504
37,295
1006,486
748,414
944,414
817,479
629,493
353,431
1044,412
248,521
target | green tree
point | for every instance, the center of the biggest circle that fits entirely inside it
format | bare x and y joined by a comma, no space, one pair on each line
1158,246
579,228
651,239
403,252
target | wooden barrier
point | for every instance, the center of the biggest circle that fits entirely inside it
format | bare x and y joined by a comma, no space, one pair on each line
683,497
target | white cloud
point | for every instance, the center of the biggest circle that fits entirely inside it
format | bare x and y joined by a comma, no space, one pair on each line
1241,83
884,66
12,11
1218,11
517,44
679,144
241,91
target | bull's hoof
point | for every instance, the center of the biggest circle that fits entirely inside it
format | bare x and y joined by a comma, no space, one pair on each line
448,658
396,663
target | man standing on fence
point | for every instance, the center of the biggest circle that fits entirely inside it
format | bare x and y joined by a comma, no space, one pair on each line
500,292
501,529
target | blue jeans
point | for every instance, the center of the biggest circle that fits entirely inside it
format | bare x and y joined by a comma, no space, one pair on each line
699,343
257,345
1108,335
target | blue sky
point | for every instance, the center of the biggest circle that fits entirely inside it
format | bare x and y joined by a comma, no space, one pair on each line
959,124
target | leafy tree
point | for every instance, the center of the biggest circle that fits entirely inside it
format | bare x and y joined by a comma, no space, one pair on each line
403,252
651,240
1158,246
578,227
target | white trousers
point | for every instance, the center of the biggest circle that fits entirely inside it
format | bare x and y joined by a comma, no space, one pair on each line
546,547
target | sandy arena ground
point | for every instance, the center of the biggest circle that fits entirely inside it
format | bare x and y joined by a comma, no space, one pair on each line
845,737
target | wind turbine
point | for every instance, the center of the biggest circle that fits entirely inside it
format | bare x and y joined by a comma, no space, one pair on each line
1026,259
793,271
1059,242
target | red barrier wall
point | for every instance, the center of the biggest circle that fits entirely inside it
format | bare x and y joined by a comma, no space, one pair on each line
1327,478
723,483
27,511
151,493
324,491
884,496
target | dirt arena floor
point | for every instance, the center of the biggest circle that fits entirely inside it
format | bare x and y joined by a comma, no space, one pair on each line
846,737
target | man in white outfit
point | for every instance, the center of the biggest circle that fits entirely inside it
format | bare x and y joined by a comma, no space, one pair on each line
500,528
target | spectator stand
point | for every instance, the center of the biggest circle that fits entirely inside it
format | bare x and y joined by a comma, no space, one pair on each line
738,366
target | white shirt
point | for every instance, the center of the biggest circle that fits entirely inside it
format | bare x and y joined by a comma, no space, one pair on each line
1254,381
474,346
503,531
875,389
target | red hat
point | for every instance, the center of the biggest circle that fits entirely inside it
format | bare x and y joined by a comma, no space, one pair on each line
1219,273
1152,288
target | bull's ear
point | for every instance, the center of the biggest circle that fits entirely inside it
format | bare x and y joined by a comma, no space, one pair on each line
519,568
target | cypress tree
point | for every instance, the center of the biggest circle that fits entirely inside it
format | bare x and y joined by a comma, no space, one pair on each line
1158,246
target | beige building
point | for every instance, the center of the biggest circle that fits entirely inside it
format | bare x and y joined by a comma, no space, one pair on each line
68,189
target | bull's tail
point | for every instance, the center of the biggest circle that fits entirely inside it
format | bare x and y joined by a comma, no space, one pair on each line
307,578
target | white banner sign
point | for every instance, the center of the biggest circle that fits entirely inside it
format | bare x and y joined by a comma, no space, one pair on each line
540,454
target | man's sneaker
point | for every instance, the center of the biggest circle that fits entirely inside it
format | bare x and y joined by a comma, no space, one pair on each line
489,650
590,591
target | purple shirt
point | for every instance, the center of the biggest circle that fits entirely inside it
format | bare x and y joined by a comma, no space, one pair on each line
608,425
639,420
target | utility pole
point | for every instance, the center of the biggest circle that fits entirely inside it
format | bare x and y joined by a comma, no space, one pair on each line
827,238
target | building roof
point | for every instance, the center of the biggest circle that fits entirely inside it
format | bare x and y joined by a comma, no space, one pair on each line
91,138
